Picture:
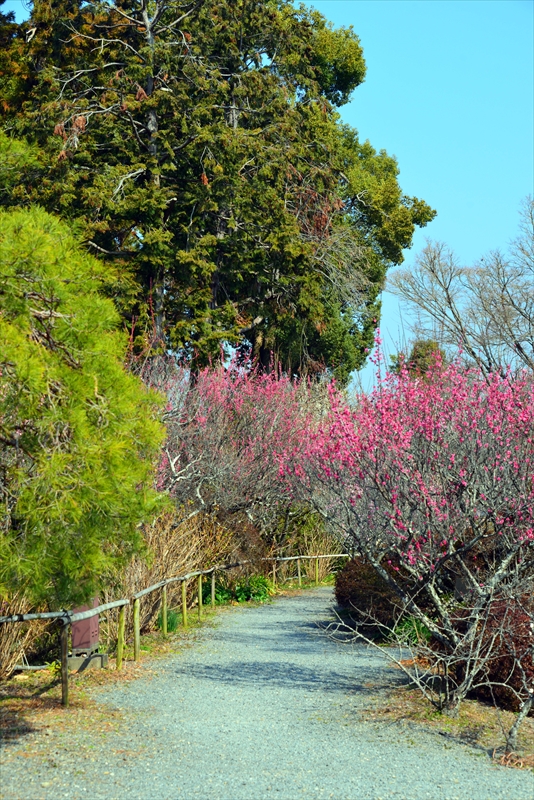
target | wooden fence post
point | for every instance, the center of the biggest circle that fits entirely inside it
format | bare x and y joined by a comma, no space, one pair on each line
164,610
120,639
298,573
199,597
317,571
213,588
65,664
274,574
184,604
137,633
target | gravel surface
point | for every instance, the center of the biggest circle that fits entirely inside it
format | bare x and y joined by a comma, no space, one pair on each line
262,706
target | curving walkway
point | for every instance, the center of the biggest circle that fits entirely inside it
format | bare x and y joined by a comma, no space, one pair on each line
262,706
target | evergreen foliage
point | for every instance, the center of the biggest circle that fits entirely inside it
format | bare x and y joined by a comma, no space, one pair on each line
78,434
199,148
424,356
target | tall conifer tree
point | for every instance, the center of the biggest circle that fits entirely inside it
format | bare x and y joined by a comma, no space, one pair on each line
198,145
78,434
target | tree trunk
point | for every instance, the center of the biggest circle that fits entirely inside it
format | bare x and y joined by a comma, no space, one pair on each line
152,173
511,740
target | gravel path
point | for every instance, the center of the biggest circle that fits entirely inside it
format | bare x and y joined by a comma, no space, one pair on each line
263,706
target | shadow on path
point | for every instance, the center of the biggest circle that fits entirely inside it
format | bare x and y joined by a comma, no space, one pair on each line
273,673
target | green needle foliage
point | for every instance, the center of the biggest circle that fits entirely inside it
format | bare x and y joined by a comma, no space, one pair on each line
198,146
78,434
423,356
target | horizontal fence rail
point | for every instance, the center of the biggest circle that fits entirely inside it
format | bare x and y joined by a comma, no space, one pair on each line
29,617
66,618
92,612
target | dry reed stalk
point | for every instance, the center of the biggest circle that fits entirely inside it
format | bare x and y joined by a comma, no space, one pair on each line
16,638
174,547
317,541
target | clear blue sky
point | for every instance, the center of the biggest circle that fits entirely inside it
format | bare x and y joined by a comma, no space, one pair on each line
450,92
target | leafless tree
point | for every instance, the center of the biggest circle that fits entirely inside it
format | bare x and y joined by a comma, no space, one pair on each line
344,263
486,310
497,663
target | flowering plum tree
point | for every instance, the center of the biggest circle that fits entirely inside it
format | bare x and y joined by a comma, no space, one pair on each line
431,482
226,431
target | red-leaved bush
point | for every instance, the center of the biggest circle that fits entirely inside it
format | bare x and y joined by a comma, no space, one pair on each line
506,635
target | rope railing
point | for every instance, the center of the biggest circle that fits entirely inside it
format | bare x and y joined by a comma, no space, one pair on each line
68,617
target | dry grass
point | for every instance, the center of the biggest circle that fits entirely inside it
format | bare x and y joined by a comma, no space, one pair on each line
476,724
175,547
32,702
309,540
16,638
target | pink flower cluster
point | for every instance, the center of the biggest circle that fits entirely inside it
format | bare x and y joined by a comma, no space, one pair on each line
226,433
420,467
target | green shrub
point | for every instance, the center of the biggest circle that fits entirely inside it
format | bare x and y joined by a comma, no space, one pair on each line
223,593
256,587
173,620
411,631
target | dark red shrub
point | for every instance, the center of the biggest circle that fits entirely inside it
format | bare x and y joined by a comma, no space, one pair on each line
505,636
360,588
510,623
